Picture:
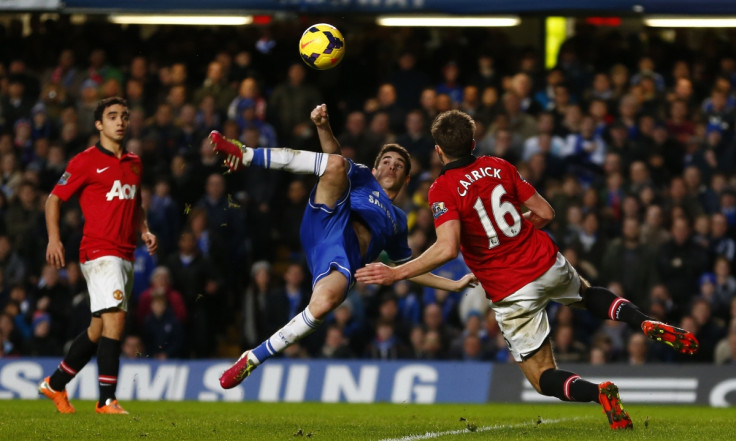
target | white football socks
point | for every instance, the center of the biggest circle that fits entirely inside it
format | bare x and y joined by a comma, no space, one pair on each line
295,161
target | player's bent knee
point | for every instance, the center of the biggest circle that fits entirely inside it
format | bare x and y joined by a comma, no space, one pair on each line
337,168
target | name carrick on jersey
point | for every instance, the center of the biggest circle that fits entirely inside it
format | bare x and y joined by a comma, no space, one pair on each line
386,221
503,250
109,196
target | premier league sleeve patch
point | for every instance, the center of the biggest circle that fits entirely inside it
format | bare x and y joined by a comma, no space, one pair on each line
438,209
64,178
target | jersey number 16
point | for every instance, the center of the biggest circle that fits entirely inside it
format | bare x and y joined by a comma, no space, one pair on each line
499,210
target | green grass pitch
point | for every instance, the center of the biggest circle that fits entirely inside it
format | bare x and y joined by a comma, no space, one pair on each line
38,420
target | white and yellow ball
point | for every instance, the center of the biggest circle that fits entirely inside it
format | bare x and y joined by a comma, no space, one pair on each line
322,46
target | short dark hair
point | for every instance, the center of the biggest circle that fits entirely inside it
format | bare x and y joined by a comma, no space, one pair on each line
453,131
107,102
394,148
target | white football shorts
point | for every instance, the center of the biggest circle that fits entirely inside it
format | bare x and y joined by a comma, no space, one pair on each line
522,316
109,282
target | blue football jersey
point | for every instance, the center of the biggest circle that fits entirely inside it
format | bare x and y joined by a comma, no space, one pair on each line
386,221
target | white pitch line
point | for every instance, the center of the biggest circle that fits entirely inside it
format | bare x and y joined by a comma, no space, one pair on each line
430,435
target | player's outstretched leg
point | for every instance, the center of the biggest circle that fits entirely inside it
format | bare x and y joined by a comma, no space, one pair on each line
238,155
679,339
608,396
328,293
299,327
605,304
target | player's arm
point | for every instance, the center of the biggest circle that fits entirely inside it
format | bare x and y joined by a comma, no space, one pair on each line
445,248
540,211
327,140
55,248
439,282
148,238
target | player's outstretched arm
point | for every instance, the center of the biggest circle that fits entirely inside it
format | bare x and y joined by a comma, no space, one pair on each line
438,282
327,140
444,249
540,211
55,248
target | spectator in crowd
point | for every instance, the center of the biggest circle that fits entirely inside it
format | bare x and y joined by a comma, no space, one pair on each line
290,104
161,286
215,85
637,349
566,348
335,345
679,264
197,279
132,347
163,334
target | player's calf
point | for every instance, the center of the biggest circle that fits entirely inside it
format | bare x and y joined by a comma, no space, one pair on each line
567,386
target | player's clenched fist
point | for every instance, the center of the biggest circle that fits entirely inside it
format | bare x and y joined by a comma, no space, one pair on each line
319,115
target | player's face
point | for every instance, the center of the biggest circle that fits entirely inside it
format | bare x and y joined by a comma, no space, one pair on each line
114,123
391,171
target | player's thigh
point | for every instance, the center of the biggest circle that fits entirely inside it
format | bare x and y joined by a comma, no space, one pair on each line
109,283
541,361
333,184
329,292
523,321
561,283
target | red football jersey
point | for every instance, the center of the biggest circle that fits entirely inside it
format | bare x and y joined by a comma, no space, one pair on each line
109,194
503,250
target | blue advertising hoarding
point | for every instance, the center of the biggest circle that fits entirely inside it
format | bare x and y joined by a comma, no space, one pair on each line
278,380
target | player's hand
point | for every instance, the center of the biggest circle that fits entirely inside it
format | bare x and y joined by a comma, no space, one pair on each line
151,242
319,116
467,281
55,254
376,273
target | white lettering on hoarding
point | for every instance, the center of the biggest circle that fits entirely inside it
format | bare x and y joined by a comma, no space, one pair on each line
718,394
296,384
339,382
271,382
406,387
213,391
169,382
84,385
20,378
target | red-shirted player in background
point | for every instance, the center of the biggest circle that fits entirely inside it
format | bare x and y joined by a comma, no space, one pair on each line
108,180
476,204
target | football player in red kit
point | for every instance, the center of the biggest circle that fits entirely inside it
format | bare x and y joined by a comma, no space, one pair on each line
107,179
477,207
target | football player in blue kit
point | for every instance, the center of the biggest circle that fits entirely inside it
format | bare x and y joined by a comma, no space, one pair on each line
348,221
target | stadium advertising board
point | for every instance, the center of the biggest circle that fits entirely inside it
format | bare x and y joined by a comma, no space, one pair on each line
278,380
371,382
661,384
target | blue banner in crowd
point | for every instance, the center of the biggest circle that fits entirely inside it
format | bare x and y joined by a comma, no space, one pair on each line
277,380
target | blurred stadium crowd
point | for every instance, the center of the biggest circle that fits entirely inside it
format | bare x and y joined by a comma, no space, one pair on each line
630,137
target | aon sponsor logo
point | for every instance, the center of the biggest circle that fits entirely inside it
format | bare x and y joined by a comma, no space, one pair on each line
121,191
